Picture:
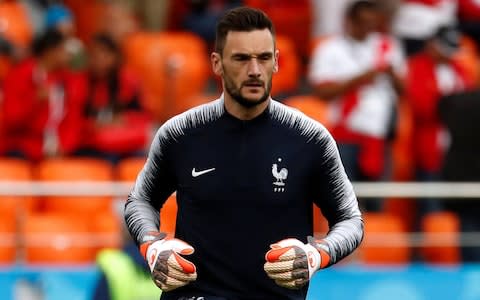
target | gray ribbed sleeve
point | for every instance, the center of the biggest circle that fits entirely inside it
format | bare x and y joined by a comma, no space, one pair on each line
338,202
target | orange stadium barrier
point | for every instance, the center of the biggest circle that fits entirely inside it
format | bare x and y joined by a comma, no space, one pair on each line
106,228
75,169
8,238
57,239
16,170
446,224
385,240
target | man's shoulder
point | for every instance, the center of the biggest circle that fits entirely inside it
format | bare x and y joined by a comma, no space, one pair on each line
195,117
295,120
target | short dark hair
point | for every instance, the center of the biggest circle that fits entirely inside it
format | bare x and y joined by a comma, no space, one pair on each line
241,19
46,41
354,9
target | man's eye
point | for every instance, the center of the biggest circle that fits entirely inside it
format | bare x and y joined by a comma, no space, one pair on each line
241,57
265,57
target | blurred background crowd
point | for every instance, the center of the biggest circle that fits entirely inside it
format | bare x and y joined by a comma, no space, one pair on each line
84,85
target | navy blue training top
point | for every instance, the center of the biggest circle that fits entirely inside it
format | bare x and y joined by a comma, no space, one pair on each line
241,186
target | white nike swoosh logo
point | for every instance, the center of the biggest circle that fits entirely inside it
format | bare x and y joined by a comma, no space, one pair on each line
198,173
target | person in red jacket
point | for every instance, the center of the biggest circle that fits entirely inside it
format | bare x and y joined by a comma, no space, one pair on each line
433,74
469,19
42,103
117,126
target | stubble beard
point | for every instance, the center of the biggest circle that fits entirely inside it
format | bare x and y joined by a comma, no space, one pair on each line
236,94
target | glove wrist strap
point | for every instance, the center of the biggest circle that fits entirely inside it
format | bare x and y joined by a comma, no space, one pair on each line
323,249
149,239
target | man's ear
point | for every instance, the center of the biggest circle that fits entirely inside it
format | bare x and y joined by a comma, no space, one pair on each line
275,63
216,61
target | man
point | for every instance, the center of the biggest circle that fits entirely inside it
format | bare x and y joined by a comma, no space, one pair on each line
246,170
441,76
361,72
460,113
42,103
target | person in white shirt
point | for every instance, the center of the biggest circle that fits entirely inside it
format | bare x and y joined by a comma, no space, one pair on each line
361,72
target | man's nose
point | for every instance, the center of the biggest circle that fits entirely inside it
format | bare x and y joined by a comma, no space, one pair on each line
253,68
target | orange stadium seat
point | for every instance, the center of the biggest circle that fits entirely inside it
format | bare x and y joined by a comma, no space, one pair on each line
75,169
8,235
174,67
88,15
127,169
106,230
442,237
96,16
402,165
320,224
291,18
310,105
385,240
168,215
16,170
286,80
57,239
15,25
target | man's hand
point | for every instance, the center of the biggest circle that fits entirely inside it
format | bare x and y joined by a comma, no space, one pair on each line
292,263
169,269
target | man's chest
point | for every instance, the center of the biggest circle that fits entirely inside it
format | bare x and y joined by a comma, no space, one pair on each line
246,167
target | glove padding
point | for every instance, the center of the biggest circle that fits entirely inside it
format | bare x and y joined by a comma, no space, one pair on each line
169,269
292,263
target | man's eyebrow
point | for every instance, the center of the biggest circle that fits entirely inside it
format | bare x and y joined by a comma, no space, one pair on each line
252,55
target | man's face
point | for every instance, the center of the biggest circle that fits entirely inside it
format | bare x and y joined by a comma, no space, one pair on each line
364,23
58,56
102,60
246,66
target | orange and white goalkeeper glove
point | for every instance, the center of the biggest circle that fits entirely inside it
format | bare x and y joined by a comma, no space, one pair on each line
291,263
169,269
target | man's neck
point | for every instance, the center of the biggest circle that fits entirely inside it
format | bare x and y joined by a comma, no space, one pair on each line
241,112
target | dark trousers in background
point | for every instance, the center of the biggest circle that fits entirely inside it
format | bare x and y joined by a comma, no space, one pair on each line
470,223
350,154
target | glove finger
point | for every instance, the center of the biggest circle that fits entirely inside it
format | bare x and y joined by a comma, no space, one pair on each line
278,266
164,266
182,276
181,264
180,246
159,278
285,253
285,266
290,275
286,243
292,284
166,283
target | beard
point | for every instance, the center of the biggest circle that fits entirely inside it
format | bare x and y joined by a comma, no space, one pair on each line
236,92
